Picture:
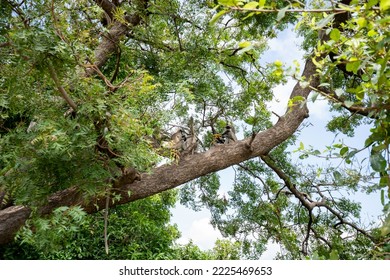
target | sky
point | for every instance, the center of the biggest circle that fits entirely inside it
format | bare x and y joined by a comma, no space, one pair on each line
196,226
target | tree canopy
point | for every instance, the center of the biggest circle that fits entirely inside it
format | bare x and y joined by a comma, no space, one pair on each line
107,106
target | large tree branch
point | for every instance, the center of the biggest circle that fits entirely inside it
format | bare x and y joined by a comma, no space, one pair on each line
172,175
168,176
109,42
107,7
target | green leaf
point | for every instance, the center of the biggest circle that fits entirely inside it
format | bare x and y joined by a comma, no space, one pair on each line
261,3
343,151
385,230
304,84
335,34
372,3
353,66
322,23
337,176
334,255
384,5
362,22
314,96
383,197
217,16
348,103
251,120
278,63
372,33
244,44
241,51
251,5
229,3
378,162
339,92
282,13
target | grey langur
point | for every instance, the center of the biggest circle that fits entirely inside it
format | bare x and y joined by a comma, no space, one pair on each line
178,140
229,134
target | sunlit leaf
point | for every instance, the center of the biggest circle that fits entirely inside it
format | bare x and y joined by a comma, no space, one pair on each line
217,16
322,23
251,5
343,151
335,34
244,44
261,3
229,3
334,255
282,13
384,5
348,103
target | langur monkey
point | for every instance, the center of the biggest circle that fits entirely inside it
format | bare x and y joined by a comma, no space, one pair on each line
229,135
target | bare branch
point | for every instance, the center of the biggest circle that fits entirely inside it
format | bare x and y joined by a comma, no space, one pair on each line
305,242
106,209
310,205
62,91
345,222
364,111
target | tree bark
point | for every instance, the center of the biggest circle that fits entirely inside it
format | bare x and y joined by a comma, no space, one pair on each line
173,175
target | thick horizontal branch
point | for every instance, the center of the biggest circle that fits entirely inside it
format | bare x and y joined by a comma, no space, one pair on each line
188,168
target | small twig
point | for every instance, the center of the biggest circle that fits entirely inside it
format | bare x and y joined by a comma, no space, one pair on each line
249,145
6,44
243,71
55,21
321,238
252,173
309,204
305,242
61,89
276,115
118,59
19,12
106,221
101,75
343,221
364,111
178,35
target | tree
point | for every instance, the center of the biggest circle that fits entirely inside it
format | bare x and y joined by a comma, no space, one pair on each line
91,91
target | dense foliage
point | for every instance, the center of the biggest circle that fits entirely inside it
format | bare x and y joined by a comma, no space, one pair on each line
91,92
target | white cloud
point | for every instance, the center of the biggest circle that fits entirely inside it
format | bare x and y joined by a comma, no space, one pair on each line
285,48
270,253
282,93
319,109
202,233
